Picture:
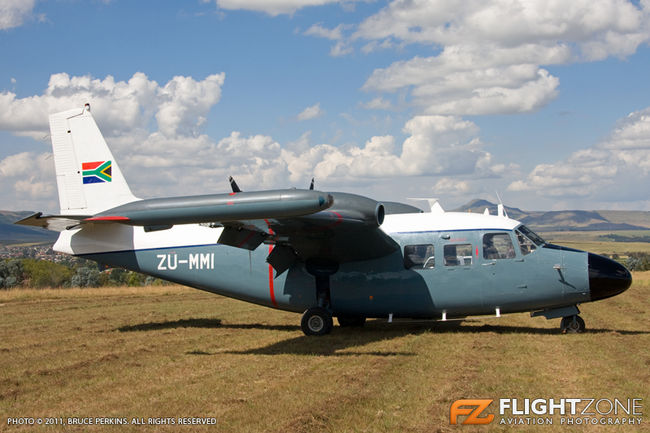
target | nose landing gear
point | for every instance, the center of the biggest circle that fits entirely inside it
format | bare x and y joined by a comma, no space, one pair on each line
572,325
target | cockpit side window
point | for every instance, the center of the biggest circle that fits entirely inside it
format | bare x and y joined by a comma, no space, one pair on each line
419,256
525,245
498,246
534,237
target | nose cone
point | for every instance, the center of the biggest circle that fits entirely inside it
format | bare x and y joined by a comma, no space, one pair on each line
606,277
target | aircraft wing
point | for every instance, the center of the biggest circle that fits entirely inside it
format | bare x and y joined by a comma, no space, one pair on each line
347,231
301,224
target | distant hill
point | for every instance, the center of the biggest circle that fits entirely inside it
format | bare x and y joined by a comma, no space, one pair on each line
568,220
11,233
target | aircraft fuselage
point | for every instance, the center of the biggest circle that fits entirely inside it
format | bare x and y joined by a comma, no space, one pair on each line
447,266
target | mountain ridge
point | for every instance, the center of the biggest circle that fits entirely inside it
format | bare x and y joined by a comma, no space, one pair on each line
567,220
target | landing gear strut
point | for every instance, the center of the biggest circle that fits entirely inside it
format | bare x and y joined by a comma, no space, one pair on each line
316,321
572,325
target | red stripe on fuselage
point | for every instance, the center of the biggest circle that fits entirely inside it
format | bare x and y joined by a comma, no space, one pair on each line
107,219
271,288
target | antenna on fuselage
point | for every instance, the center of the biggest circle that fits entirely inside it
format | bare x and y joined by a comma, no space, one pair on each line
501,210
233,185
434,204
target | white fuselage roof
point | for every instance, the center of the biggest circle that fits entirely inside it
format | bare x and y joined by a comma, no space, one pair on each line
445,221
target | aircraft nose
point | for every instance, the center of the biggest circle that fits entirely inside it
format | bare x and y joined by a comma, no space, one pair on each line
606,277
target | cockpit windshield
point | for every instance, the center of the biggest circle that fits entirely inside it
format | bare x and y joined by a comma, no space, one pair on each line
537,240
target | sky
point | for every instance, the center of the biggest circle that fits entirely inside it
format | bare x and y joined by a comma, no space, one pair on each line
543,102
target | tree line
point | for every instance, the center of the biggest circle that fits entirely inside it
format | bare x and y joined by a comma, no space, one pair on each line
41,274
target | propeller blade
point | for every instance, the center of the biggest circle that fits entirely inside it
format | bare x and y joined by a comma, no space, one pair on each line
311,185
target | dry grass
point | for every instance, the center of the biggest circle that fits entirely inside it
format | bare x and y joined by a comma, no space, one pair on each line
176,352
594,243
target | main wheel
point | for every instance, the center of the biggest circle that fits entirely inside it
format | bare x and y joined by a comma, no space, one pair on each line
316,321
572,325
351,321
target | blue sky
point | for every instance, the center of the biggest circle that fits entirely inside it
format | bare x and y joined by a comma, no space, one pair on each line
546,102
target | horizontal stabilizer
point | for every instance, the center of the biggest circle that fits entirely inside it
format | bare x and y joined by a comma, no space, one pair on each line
57,223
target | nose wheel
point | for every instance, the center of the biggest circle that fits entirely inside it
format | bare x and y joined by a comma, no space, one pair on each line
572,325
316,321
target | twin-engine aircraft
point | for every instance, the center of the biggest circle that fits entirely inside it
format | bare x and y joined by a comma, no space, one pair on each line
322,254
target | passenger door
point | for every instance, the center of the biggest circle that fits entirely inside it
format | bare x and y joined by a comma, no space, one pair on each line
505,272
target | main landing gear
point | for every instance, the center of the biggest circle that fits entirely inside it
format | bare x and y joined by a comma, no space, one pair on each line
572,325
316,321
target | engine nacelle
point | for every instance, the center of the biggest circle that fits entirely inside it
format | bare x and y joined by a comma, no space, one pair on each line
356,207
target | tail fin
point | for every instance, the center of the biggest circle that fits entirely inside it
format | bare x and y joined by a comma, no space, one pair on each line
87,175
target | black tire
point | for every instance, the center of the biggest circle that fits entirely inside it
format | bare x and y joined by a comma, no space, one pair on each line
572,325
316,321
351,321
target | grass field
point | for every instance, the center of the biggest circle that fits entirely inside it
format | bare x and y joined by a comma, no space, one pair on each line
593,241
159,352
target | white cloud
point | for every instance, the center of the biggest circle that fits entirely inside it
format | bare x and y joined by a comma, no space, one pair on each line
13,13
615,170
28,175
274,7
342,46
318,30
377,103
124,110
491,53
452,186
185,102
310,112
35,189
180,106
25,163
615,26
437,145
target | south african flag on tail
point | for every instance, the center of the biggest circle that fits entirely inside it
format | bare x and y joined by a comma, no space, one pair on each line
96,172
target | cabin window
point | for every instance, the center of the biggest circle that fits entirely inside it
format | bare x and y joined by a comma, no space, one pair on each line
458,255
525,245
498,246
419,256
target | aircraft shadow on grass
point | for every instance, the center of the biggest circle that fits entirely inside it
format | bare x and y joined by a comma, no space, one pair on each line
347,338
203,323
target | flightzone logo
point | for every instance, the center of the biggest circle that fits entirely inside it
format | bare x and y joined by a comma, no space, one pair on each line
96,172
543,411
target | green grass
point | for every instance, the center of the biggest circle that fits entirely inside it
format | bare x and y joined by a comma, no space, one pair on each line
176,352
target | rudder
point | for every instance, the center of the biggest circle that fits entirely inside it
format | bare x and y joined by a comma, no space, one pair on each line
88,178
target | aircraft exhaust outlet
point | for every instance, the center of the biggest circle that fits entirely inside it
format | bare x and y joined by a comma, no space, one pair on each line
354,207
